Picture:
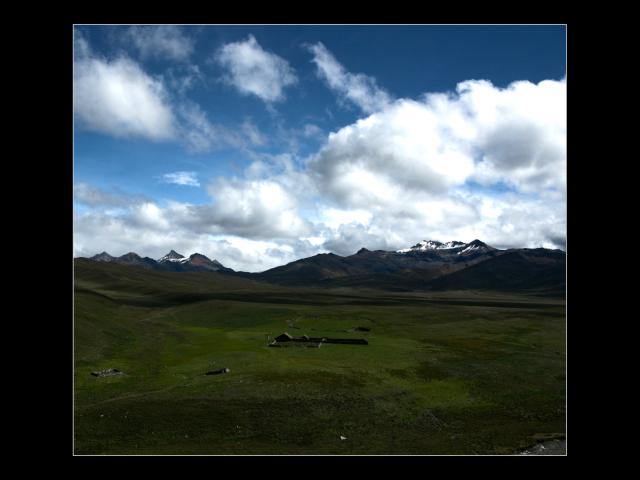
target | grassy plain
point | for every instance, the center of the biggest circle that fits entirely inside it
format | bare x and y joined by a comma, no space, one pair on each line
444,373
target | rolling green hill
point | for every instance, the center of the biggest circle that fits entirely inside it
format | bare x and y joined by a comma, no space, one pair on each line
444,372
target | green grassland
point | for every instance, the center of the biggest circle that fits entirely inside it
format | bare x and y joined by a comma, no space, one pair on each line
446,373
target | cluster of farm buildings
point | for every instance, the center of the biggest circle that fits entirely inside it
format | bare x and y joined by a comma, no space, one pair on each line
286,340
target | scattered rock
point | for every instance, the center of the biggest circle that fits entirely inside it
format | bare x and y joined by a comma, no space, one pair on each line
218,372
550,447
109,372
342,438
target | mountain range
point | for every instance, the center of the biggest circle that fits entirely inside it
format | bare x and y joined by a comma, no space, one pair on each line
172,261
430,265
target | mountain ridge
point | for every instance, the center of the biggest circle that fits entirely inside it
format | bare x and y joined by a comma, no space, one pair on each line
428,265
172,261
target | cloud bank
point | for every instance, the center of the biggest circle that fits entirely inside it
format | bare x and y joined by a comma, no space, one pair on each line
478,162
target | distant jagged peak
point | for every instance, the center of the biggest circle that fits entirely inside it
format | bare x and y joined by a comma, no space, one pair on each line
200,259
103,257
477,243
130,256
173,256
199,256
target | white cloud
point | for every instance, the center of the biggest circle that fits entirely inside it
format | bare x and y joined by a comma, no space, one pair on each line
401,147
151,230
312,130
118,98
359,89
149,215
253,134
182,178
81,47
333,217
405,173
520,132
163,41
516,136
91,196
254,209
254,71
199,134
412,164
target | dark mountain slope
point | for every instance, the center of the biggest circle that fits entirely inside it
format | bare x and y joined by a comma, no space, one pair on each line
536,270
406,269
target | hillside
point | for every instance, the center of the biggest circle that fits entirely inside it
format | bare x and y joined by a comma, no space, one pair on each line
536,271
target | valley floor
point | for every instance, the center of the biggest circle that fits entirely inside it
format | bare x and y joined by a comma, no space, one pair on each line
456,373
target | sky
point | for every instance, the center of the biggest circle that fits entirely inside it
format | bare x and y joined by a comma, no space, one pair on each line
258,145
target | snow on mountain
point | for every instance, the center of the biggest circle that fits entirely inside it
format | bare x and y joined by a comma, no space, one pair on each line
173,256
425,245
470,248
172,261
103,257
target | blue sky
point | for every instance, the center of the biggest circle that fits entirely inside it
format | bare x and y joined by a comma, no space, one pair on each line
258,145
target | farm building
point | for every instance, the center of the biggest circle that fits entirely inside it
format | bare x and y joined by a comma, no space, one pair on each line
296,344
284,337
314,341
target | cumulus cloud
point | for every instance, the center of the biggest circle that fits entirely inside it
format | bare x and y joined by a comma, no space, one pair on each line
358,89
182,178
400,147
253,209
520,132
118,98
150,230
413,170
162,41
254,71
481,133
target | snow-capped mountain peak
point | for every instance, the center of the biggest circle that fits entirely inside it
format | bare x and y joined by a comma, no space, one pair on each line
173,256
452,244
425,245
